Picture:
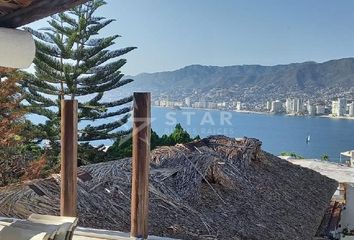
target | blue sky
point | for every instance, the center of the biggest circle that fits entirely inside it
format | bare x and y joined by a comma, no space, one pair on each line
171,34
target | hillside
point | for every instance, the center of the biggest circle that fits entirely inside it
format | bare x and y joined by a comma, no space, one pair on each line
246,82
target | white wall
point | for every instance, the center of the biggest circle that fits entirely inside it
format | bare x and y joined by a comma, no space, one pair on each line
347,216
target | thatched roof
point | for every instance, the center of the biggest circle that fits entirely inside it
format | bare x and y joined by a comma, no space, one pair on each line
215,188
15,13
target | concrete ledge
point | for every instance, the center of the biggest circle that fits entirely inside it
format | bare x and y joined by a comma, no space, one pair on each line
95,234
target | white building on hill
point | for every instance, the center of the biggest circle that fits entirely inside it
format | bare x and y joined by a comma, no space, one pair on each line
351,109
320,109
339,107
277,106
294,105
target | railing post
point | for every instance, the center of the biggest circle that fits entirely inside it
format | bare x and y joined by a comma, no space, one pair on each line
68,194
140,165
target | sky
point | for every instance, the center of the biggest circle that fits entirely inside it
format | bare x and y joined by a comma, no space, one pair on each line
171,34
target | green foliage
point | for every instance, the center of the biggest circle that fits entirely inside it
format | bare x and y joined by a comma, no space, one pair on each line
122,147
14,161
291,154
155,140
74,62
53,155
325,157
88,154
179,135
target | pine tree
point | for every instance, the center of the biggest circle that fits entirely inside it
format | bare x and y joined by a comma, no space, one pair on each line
72,62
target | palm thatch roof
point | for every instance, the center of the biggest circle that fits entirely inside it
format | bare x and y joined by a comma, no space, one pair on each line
215,188
15,13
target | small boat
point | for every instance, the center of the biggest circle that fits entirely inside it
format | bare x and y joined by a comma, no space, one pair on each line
308,138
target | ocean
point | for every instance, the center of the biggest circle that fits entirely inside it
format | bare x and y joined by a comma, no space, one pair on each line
278,133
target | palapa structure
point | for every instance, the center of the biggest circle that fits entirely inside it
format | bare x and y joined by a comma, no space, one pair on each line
215,188
15,13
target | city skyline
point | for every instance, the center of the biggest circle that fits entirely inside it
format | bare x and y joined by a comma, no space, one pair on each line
341,107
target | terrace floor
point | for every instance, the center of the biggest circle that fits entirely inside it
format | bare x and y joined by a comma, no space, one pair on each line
81,233
339,172
95,234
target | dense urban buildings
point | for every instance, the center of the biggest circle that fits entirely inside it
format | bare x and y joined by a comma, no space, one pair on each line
294,106
351,109
187,101
320,109
341,107
276,107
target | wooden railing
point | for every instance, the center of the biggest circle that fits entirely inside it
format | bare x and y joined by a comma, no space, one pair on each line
140,162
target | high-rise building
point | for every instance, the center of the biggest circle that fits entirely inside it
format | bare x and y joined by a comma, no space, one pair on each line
320,109
294,106
339,107
351,109
342,105
311,109
269,105
299,105
204,102
277,106
308,106
238,106
187,101
288,105
334,108
198,105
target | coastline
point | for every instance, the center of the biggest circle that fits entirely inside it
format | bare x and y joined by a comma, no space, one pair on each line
333,117
256,112
252,112
215,109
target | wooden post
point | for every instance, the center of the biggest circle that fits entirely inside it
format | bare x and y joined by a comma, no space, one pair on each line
68,195
140,165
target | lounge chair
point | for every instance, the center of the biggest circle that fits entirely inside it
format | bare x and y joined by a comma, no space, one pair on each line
66,225
13,233
38,227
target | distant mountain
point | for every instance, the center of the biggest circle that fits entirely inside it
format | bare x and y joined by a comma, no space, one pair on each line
250,81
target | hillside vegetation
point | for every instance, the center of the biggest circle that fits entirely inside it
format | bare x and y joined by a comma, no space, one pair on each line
253,82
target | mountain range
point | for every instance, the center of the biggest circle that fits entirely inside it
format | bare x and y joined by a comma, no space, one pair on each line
249,82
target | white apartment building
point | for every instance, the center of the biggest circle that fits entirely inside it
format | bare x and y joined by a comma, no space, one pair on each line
187,101
221,104
351,109
294,105
320,109
198,105
288,105
339,107
212,105
299,105
269,105
238,106
276,107
311,109
342,105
